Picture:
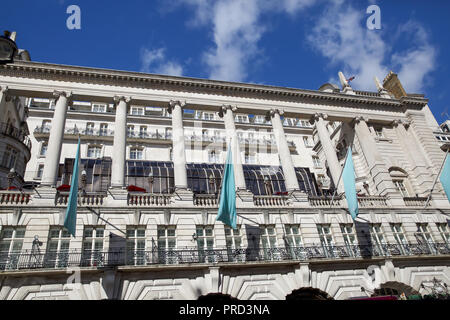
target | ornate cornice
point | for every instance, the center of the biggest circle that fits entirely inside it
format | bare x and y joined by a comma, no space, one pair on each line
37,70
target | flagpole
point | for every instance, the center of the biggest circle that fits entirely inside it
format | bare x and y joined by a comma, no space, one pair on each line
435,180
340,176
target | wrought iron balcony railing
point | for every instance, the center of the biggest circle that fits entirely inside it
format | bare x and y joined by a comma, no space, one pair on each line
61,260
15,133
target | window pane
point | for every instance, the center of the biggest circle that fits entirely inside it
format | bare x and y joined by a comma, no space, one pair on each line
88,232
100,233
20,233
141,233
171,232
208,232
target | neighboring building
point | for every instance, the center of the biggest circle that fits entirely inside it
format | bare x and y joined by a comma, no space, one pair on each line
153,149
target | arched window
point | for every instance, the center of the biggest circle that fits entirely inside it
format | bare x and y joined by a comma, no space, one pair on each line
401,181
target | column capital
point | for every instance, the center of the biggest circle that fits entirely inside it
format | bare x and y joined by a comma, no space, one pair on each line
358,119
67,94
405,123
174,103
4,90
223,109
317,116
126,99
270,114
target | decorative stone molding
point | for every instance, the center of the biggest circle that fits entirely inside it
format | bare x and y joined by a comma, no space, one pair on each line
223,109
358,119
405,123
117,99
174,103
317,116
270,114
4,91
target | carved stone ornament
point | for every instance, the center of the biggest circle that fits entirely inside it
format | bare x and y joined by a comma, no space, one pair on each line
225,107
174,103
272,112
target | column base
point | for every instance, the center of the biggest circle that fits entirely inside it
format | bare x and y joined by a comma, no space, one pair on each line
244,198
44,195
298,198
183,195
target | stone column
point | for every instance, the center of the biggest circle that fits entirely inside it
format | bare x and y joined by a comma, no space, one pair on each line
3,96
120,142
49,175
179,151
283,150
414,154
377,168
328,149
227,112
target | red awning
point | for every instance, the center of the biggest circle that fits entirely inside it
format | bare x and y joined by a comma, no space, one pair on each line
135,189
63,187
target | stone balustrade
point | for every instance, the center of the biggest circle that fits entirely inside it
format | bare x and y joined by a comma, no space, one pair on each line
325,201
206,200
372,201
416,201
86,199
14,197
148,199
271,201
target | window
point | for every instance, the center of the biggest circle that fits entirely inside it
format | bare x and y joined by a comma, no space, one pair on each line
136,154
93,240
268,240
424,238
213,157
378,132
250,158
103,129
90,128
9,157
137,111
43,149
241,118
208,116
443,230
233,237
289,122
293,240
136,245
130,131
96,107
58,247
377,239
205,240
259,119
350,242
11,243
316,162
143,132
326,239
166,244
303,123
94,152
40,171
400,186
307,142
399,236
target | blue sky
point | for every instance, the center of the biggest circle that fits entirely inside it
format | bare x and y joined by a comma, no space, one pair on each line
292,43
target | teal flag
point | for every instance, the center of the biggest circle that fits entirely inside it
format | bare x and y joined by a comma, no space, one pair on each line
348,176
227,206
445,176
70,221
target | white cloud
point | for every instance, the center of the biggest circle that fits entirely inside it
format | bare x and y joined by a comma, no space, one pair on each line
341,36
154,61
236,28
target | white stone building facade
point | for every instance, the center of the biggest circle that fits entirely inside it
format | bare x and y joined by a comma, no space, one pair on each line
152,150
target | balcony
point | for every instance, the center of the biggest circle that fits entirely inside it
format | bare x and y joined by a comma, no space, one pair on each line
372,201
16,134
14,197
324,201
271,201
84,199
44,131
148,199
415,201
206,200
63,260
